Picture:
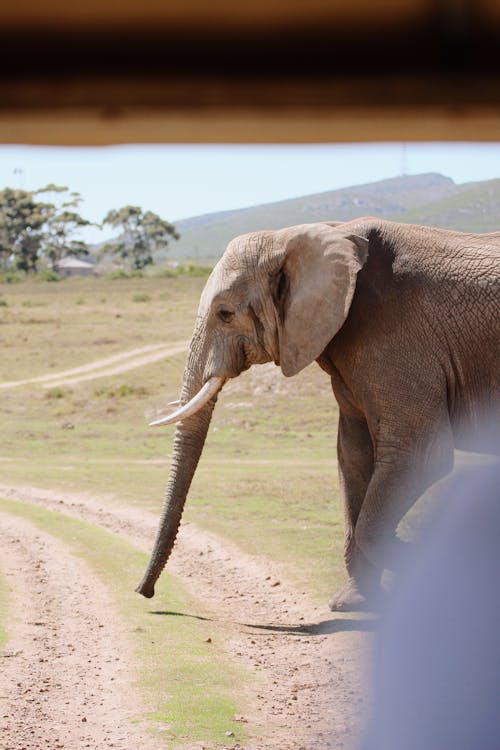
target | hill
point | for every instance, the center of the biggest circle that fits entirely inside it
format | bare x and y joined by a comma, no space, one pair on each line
423,199
474,208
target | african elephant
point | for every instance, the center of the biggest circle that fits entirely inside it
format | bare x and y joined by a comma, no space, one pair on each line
404,319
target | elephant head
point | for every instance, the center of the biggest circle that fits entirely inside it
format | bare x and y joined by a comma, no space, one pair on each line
276,296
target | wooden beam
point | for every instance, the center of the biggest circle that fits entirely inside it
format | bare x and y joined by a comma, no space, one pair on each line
263,71
88,127
193,15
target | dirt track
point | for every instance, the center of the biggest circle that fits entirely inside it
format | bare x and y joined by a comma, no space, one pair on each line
101,368
66,654
307,660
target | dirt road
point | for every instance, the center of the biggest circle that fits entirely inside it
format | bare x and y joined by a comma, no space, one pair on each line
308,662
102,368
65,654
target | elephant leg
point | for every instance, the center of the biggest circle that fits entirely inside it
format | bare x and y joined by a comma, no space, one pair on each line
402,473
355,459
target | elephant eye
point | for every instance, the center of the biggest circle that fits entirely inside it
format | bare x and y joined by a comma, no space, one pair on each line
224,314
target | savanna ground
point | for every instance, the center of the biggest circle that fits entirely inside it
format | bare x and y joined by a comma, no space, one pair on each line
238,647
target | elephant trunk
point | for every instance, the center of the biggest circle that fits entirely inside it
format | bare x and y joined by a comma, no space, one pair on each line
188,444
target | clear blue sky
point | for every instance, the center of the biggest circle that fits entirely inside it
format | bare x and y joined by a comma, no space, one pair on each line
181,181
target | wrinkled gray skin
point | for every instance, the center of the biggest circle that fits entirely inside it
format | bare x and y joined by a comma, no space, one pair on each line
406,322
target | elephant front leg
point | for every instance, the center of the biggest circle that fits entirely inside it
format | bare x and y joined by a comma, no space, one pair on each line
362,592
355,456
403,471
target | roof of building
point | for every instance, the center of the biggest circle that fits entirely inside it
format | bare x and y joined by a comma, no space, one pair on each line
71,262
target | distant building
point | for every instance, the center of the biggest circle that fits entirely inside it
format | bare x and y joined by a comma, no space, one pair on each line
70,266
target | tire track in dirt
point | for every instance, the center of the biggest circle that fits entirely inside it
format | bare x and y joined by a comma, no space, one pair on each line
309,664
64,681
101,368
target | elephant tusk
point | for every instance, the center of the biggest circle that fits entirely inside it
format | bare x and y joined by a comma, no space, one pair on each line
174,403
209,390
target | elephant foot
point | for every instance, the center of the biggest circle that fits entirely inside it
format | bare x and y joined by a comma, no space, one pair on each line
348,599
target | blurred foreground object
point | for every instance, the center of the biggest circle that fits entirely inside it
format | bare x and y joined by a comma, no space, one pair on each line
437,664
262,71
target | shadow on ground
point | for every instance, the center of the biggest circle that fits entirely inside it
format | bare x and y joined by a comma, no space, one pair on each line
169,613
326,627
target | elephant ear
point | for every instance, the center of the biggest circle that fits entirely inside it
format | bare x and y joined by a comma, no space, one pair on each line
314,290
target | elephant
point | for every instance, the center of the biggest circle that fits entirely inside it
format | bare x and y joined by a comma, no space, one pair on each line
404,319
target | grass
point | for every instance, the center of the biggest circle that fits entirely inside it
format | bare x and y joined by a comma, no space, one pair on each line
52,332
193,694
124,390
56,393
473,209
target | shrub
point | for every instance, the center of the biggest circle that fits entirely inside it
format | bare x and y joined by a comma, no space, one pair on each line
121,391
141,298
120,274
194,271
9,277
167,273
56,393
33,303
189,269
3,302
47,274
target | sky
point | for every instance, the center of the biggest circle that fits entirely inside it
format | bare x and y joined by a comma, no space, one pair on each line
179,181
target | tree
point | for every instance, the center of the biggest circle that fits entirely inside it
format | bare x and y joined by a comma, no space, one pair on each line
142,233
62,225
22,222
32,230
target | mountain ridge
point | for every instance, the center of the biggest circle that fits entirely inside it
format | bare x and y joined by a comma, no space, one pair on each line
428,198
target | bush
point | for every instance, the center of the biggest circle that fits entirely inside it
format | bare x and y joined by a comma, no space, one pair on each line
141,298
120,274
3,302
9,277
47,274
195,271
189,269
121,391
56,393
167,273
